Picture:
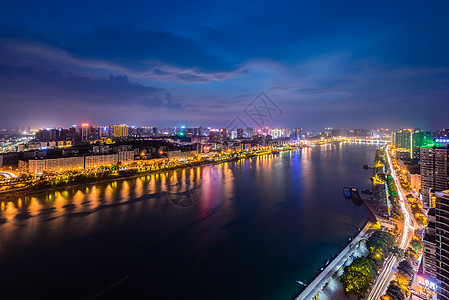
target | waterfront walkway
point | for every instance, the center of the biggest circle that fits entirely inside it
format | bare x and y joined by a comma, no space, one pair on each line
316,287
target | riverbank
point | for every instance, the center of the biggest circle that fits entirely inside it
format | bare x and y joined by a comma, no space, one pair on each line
256,211
317,286
29,191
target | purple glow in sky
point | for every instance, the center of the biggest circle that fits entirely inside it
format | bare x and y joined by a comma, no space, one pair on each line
326,64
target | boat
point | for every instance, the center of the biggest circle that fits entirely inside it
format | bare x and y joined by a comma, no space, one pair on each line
301,283
347,193
367,191
365,167
356,196
275,152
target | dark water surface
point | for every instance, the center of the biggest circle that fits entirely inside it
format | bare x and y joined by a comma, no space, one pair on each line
240,230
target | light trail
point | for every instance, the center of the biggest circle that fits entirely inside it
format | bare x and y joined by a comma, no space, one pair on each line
8,175
387,272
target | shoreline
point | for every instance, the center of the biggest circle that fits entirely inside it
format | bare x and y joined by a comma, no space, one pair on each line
319,282
8,196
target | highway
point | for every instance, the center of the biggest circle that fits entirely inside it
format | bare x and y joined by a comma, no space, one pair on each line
382,282
7,175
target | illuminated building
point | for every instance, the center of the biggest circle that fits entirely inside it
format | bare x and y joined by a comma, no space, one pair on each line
126,156
419,139
216,136
442,133
240,133
251,132
178,154
434,170
85,132
95,161
442,243
276,133
297,133
120,130
429,247
401,139
39,166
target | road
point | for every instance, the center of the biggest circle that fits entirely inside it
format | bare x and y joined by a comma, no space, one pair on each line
382,282
7,175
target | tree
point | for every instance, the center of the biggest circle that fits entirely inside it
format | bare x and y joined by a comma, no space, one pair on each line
395,292
416,244
398,252
402,282
358,276
380,242
405,268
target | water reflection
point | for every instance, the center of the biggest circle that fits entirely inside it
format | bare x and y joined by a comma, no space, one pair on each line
283,212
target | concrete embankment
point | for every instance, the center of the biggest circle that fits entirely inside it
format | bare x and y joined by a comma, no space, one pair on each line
317,285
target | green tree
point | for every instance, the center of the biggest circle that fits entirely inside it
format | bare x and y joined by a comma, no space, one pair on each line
358,276
380,242
416,244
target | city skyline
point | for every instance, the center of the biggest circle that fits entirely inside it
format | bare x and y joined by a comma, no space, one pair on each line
340,65
253,149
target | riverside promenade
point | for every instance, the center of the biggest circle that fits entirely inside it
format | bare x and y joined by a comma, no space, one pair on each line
316,287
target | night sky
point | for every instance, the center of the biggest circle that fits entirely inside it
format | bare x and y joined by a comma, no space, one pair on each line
355,64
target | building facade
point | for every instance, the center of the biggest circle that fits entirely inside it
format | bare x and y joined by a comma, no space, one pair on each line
126,157
434,171
95,161
39,166
442,243
430,248
401,139
418,139
120,131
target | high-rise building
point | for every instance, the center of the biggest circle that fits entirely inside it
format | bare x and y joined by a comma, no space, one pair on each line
442,243
251,132
442,133
429,260
120,130
434,171
418,139
276,133
216,136
240,133
85,132
297,133
401,139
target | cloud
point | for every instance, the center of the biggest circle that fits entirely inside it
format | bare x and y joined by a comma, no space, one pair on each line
31,83
142,54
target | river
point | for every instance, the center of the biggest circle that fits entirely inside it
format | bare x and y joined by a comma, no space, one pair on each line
236,230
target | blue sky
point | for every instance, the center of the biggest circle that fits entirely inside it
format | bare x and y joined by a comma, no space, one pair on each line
361,64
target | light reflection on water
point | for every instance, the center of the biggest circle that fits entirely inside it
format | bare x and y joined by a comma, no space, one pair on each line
255,225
